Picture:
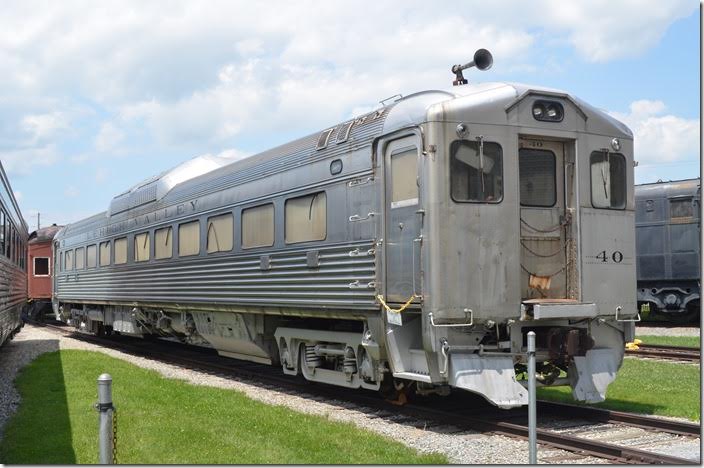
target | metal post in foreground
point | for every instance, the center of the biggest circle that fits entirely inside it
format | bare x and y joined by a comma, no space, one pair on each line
532,436
105,410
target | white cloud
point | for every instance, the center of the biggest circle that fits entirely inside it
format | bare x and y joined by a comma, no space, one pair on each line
44,127
138,51
108,138
24,161
603,30
207,74
661,138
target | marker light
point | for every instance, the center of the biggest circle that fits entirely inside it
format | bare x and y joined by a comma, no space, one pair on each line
548,111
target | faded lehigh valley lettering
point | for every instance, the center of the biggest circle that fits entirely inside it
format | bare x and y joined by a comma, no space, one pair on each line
149,218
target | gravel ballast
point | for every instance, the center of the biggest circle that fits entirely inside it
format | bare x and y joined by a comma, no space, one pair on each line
459,447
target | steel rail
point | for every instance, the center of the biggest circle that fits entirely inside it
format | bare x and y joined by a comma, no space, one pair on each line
497,422
678,353
619,417
570,443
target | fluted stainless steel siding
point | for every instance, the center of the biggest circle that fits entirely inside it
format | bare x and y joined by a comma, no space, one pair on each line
235,280
13,279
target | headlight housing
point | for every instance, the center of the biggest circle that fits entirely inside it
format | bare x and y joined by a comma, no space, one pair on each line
548,111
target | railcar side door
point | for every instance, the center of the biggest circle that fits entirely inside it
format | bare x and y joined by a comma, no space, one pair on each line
402,220
543,221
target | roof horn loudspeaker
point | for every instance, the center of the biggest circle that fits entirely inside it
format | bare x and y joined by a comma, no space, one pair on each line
483,60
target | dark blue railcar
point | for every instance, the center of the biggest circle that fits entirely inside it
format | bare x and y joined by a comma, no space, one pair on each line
668,227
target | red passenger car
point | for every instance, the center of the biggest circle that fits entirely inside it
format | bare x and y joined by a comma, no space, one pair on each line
39,273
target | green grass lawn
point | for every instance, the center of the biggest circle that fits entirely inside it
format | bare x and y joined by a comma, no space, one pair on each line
648,387
172,422
692,341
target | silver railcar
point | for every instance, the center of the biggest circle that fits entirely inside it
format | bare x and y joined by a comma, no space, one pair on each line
13,252
413,246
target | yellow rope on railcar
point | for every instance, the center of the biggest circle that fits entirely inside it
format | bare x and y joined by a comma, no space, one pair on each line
399,310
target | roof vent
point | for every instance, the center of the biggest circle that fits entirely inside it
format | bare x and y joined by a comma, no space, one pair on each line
323,139
343,134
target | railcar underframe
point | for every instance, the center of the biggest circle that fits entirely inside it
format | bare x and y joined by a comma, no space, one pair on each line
425,279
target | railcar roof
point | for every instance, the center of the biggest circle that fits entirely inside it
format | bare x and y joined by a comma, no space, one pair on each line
670,188
45,234
205,173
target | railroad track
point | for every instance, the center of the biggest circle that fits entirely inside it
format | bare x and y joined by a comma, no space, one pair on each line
674,353
427,412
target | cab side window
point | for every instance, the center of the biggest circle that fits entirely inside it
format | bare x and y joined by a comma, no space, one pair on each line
608,174
476,172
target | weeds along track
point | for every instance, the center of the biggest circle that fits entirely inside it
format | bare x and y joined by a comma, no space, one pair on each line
616,436
670,353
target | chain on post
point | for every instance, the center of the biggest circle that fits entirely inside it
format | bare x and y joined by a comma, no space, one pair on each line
114,436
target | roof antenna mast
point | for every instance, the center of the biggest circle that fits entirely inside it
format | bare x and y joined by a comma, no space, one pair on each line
482,60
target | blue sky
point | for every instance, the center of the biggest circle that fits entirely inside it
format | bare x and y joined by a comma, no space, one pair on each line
96,97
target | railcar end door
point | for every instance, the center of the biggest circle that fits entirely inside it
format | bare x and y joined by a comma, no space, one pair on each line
402,222
543,221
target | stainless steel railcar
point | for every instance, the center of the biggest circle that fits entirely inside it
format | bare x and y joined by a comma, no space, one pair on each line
482,212
13,253
668,227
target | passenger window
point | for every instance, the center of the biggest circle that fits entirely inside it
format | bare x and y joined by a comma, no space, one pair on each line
220,233
68,257
681,209
608,172
120,251
189,239
258,226
80,258
91,252
537,177
105,253
163,243
41,266
404,177
306,218
476,172
141,247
